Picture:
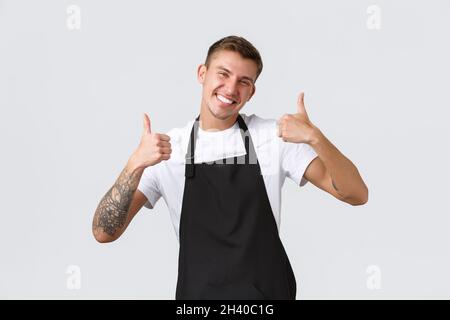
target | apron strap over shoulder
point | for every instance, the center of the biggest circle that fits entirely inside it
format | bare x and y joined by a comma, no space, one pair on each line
250,156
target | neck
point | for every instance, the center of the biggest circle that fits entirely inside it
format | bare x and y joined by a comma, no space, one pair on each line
208,122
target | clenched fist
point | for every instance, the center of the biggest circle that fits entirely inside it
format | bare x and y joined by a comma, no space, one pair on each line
296,127
153,148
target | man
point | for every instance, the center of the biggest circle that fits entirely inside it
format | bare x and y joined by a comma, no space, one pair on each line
221,177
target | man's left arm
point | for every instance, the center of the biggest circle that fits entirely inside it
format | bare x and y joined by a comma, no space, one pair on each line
331,171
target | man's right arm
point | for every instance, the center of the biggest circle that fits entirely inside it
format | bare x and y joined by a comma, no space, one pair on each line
122,201
113,213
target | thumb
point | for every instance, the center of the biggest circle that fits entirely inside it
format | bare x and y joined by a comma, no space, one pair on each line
300,103
147,124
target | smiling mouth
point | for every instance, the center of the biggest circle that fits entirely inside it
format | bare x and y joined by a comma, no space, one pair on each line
225,100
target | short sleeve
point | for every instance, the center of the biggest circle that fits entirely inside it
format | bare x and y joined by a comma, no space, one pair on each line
149,186
295,159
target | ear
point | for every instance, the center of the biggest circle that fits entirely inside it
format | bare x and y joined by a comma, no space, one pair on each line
201,70
253,92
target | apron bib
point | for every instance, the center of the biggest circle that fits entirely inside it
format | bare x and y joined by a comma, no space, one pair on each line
229,243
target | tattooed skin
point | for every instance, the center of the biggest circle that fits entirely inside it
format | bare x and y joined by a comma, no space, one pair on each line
111,213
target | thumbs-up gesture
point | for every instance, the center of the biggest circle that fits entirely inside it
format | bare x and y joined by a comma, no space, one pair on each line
296,127
153,148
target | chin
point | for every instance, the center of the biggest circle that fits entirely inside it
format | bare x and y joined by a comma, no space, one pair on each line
221,113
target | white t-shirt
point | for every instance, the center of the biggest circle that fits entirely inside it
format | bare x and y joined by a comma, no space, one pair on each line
277,159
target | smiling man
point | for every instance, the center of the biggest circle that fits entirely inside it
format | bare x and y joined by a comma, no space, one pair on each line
221,177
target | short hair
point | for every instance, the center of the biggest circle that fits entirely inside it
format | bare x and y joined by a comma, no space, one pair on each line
239,45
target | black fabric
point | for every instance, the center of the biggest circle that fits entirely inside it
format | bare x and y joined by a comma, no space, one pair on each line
229,242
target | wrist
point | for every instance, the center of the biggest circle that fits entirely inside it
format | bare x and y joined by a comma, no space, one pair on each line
133,164
315,137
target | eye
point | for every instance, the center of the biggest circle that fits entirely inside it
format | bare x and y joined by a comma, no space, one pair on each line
222,74
245,83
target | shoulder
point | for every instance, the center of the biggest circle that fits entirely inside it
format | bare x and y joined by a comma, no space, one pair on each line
256,122
179,140
262,130
178,133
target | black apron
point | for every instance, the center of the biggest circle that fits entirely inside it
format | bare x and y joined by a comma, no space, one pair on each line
229,242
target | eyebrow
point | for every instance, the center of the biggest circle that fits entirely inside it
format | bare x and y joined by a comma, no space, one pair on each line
244,77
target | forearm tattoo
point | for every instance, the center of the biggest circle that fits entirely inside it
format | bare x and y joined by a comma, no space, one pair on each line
111,213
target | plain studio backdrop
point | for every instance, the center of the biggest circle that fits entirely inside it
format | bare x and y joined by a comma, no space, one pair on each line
76,77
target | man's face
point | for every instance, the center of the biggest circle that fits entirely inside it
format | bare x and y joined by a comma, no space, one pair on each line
228,83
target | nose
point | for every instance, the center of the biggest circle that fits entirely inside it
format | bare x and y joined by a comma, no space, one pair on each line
231,87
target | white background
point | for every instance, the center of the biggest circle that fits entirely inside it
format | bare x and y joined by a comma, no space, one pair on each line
71,114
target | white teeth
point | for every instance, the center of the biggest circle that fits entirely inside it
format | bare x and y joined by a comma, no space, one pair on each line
224,100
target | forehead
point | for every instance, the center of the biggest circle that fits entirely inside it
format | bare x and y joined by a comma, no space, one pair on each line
234,62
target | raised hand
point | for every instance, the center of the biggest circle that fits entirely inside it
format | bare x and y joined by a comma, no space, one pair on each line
153,148
296,127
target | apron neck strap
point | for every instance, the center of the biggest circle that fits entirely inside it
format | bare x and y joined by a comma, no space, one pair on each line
190,154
